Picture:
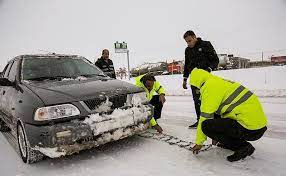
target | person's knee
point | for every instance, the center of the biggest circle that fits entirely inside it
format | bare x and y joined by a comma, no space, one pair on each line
155,100
206,126
256,135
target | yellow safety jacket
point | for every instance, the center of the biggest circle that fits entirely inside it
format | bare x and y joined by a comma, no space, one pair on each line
228,99
157,88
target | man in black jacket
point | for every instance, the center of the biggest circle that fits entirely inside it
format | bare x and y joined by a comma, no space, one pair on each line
106,64
200,54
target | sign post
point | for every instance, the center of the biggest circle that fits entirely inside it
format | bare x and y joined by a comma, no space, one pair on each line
122,48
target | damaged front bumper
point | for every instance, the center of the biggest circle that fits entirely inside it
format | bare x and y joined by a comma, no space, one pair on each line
95,130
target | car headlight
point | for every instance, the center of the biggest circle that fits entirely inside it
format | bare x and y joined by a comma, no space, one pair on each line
137,99
55,112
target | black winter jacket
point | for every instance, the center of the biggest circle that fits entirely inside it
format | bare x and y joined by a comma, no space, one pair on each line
202,55
106,67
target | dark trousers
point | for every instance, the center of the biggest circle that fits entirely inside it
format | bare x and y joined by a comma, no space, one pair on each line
230,133
157,106
197,101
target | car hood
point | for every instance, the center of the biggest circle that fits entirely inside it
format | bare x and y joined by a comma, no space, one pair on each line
56,92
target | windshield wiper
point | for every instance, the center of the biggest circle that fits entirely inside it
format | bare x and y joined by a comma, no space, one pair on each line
41,78
92,75
102,75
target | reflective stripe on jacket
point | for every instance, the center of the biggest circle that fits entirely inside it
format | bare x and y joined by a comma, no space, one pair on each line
228,99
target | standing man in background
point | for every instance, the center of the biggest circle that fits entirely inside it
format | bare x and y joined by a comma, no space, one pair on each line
106,64
200,54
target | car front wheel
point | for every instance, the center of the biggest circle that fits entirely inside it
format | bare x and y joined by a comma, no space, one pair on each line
28,155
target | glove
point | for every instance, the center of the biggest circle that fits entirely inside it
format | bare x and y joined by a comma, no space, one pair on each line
196,149
158,128
162,98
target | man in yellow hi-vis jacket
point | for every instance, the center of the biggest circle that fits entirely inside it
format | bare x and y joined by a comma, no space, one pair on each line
150,85
231,115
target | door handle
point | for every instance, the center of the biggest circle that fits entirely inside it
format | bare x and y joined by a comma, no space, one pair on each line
4,92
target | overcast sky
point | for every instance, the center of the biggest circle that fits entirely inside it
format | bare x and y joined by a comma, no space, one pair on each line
153,29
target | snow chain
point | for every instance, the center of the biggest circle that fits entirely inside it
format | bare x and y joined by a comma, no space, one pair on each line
172,140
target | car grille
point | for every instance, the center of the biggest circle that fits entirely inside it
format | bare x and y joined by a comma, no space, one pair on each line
117,102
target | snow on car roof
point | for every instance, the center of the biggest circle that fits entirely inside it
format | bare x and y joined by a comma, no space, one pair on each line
50,55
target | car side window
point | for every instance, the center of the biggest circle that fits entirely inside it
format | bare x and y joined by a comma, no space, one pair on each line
3,71
13,72
7,70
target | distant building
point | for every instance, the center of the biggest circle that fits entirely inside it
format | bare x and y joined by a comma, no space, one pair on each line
278,60
260,64
239,62
274,60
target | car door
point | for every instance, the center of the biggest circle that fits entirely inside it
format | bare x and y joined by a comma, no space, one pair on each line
3,101
9,95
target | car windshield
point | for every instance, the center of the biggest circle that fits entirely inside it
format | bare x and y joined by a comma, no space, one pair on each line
58,68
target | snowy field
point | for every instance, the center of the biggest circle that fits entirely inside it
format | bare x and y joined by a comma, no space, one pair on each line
265,82
143,156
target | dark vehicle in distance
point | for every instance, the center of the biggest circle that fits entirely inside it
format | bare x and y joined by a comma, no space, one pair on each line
56,105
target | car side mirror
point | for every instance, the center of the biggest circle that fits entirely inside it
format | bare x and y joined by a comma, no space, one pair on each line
5,82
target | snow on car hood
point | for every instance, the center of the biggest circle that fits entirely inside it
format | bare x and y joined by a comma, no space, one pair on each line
54,92
119,118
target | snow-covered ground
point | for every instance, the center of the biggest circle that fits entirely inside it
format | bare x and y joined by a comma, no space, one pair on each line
142,156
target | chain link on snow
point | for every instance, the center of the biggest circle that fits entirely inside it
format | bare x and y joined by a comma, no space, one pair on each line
172,140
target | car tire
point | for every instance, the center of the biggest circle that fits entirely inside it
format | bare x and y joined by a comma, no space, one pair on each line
3,126
28,155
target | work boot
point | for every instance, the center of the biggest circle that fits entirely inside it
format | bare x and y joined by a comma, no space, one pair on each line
195,125
241,153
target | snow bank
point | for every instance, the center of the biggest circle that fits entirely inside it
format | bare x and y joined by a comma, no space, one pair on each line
264,82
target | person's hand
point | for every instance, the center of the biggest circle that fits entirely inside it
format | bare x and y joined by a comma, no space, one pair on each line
196,149
162,98
185,84
158,128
